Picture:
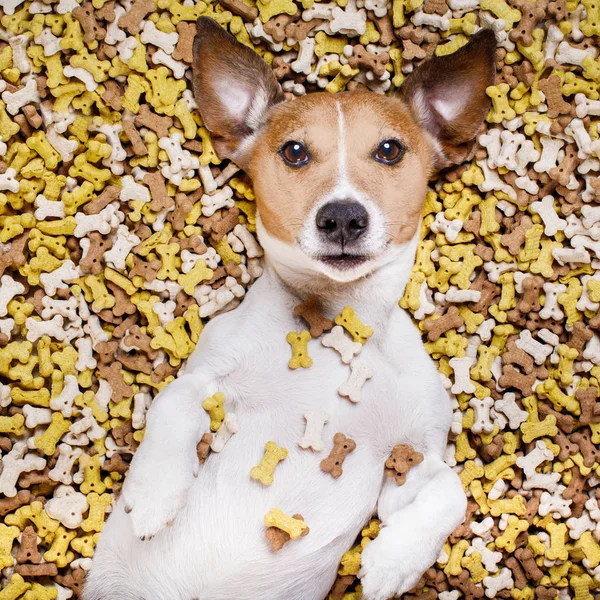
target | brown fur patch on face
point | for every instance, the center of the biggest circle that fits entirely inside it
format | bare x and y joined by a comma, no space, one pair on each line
285,195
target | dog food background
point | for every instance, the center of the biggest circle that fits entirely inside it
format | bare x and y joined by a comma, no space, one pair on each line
110,191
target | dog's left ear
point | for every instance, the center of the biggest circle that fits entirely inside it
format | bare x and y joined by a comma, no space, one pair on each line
447,96
234,88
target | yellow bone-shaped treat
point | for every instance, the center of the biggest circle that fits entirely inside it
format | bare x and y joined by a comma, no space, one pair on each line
59,552
513,529
454,567
48,440
8,534
353,325
13,425
35,513
15,588
214,407
263,472
199,272
277,518
99,503
299,343
40,144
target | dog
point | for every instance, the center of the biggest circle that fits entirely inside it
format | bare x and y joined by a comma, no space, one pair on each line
340,181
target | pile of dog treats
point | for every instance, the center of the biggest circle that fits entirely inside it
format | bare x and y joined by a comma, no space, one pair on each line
121,231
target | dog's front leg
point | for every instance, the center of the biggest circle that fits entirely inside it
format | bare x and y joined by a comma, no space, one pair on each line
416,519
164,466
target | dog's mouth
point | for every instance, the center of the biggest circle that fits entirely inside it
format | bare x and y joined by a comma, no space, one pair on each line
344,261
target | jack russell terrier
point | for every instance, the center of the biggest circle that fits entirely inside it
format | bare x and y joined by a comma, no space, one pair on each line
340,181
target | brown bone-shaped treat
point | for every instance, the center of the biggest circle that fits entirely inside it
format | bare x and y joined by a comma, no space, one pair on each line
568,447
435,328
137,143
106,351
590,408
135,362
138,339
361,57
527,560
385,27
317,322
558,10
515,356
342,446
16,254
574,491
518,572
121,330
120,433
438,7
564,422
579,337
149,119
109,194
544,593
530,301
115,464
183,207
300,29
240,8
112,373
203,447
32,115
42,570
463,531
147,270
275,26
183,50
532,13
554,98
524,72
402,460
512,378
281,67
470,590
107,12
9,504
164,370
158,192
278,538
218,225
92,30
132,21
341,584
123,305
99,245
562,173
532,506
516,238
412,50
591,453
113,95
28,552
73,581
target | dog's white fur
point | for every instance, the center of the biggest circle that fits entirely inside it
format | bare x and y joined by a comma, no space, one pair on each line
215,548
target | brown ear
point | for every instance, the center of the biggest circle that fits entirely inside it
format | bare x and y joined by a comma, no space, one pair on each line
234,89
447,96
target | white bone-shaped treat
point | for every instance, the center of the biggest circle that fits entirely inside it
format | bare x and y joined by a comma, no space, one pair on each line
224,433
462,377
340,342
352,388
313,434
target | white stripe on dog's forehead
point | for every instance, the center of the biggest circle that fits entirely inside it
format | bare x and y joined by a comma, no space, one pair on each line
343,187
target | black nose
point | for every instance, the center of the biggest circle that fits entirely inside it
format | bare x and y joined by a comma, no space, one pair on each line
343,221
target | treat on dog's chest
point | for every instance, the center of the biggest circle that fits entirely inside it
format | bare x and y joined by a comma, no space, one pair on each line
342,446
292,526
402,460
214,407
341,343
353,325
263,472
299,344
278,537
317,323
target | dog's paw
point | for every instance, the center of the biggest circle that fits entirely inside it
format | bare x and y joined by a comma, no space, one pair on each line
391,565
154,491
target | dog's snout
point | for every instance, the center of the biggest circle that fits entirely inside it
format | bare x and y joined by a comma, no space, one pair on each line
342,221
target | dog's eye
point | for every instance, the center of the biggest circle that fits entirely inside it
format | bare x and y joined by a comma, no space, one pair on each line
389,152
294,154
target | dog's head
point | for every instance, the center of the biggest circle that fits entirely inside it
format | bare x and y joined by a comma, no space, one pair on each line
340,179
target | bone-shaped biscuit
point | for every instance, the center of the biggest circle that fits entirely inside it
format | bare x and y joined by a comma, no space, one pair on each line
223,435
402,460
214,407
353,325
299,344
317,323
315,421
263,472
352,388
342,446
338,341
278,537
292,526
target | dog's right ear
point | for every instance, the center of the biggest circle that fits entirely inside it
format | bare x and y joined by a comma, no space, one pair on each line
234,88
